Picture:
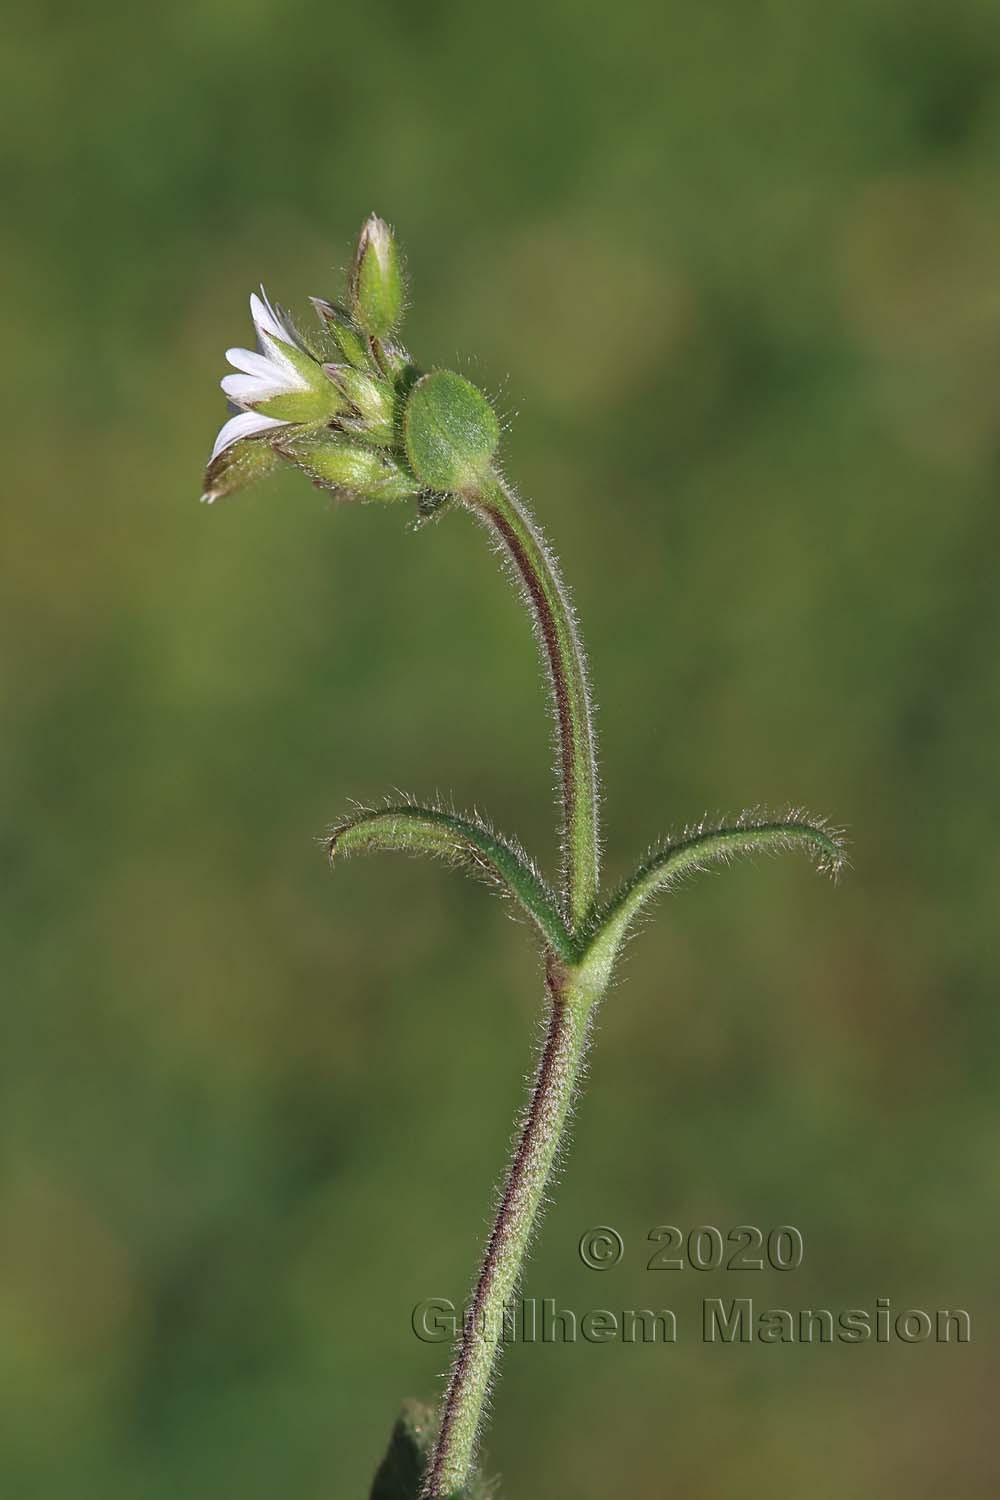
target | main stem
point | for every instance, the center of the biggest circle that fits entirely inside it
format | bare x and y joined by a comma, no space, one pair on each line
562,651
520,1200
572,992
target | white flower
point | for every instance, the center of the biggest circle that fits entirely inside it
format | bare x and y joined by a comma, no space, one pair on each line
338,423
282,367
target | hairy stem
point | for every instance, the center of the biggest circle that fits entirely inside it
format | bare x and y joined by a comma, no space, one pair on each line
536,570
572,992
571,1000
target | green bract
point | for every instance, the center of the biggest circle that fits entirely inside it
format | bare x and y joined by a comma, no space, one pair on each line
452,432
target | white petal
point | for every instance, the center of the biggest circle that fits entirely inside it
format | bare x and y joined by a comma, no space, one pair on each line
250,362
247,424
280,320
281,367
245,388
265,318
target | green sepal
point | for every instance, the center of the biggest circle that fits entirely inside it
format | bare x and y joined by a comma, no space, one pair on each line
321,401
430,505
319,405
398,364
466,842
356,471
451,432
238,465
349,339
377,279
304,364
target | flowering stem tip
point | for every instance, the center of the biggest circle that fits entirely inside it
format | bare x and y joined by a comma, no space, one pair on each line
346,404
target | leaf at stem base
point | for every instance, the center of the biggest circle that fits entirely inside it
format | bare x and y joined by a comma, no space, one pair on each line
401,1473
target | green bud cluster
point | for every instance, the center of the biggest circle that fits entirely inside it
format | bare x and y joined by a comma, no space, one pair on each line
353,411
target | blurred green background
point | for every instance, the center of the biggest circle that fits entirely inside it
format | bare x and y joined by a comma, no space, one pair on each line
733,272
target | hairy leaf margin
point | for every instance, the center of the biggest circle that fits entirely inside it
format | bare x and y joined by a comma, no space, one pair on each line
701,846
466,842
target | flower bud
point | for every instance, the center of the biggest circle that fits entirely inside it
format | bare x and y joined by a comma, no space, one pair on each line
397,362
451,432
238,464
371,399
377,280
349,339
353,470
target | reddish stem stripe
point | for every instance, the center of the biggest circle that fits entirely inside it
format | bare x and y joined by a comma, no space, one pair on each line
530,1143
550,639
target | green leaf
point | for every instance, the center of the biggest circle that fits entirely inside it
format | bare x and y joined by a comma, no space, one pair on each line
466,842
701,847
401,1472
